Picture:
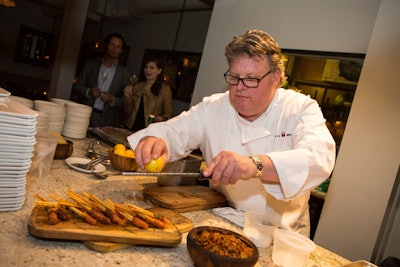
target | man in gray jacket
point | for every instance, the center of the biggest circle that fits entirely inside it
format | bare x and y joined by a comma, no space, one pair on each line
101,83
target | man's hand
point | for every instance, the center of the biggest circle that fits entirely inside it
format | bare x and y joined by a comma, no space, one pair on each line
228,167
106,97
95,92
150,147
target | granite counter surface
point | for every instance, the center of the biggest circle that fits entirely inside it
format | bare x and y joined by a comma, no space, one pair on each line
19,248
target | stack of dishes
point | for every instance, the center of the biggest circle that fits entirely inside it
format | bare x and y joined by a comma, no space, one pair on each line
43,122
17,141
60,101
56,113
24,101
77,120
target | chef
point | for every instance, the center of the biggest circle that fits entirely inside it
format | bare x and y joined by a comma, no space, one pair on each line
265,147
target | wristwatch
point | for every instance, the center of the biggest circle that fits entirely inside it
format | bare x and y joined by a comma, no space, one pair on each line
259,165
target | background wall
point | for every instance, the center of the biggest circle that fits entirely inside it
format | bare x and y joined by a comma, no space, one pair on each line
29,14
368,161
337,26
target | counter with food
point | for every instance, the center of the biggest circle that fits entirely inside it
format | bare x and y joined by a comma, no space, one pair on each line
27,242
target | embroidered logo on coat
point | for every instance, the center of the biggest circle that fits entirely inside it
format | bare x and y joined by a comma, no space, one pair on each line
283,135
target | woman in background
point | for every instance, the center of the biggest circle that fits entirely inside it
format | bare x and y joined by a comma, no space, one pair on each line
150,97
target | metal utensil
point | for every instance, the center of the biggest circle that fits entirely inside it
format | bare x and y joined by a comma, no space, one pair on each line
91,164
198,175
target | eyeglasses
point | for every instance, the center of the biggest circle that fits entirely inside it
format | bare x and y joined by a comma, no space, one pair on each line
248,82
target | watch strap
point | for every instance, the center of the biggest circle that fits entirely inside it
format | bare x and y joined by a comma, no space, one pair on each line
259,165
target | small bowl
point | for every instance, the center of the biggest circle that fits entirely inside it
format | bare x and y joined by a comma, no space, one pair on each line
291,249
64,151
203,257
121,163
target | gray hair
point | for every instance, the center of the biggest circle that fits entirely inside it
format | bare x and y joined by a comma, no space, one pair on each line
257,43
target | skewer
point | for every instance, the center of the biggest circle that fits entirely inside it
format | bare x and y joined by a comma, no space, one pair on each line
84,215
85,204
78,199
140,210
63,202
95,201
46,204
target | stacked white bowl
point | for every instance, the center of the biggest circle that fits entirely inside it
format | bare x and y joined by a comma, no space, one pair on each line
24,101
43,122
77,120
56,114
60,101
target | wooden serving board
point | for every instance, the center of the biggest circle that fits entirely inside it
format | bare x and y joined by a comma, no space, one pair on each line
185,198
182,223
78,230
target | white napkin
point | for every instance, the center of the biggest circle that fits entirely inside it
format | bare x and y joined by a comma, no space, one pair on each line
234,215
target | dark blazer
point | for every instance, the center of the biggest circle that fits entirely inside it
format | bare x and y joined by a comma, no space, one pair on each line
89,77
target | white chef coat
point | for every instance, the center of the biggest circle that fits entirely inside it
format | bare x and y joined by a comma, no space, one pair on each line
292,132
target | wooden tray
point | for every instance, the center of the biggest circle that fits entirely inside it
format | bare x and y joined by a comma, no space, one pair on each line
185,198
78,230
181,222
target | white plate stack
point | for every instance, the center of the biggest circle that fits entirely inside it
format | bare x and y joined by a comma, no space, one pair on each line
60,101
77,120
17,141
24,101
56,114
43,122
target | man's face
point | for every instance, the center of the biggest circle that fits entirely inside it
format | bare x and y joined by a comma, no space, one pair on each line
114,48
250,103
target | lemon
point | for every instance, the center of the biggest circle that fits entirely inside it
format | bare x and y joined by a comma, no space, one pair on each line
129,153
119,146
119,151
155,165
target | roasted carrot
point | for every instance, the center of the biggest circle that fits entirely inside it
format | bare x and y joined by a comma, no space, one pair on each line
52,217
155,222
63,214
115,218
140,223
86,217
100,217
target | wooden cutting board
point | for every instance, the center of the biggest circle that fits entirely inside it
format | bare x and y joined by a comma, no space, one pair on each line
78,230
182,223
185,198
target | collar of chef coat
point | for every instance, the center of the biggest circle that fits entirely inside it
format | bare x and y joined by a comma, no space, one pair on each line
251,131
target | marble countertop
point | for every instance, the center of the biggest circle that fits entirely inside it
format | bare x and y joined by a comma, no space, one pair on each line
19,248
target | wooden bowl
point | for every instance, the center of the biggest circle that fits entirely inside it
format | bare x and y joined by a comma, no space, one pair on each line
203,257
64,151
121,163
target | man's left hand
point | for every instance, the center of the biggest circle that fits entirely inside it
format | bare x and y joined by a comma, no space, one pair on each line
106,97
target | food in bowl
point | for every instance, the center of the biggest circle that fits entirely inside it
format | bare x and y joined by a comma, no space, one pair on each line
213,246
64,147
122,159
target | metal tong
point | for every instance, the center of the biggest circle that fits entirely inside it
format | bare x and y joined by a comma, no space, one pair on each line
91,164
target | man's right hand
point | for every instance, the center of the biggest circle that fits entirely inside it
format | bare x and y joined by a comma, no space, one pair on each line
95,92
150,147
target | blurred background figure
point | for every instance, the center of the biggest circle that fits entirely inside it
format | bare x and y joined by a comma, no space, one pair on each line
149,97
102,81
